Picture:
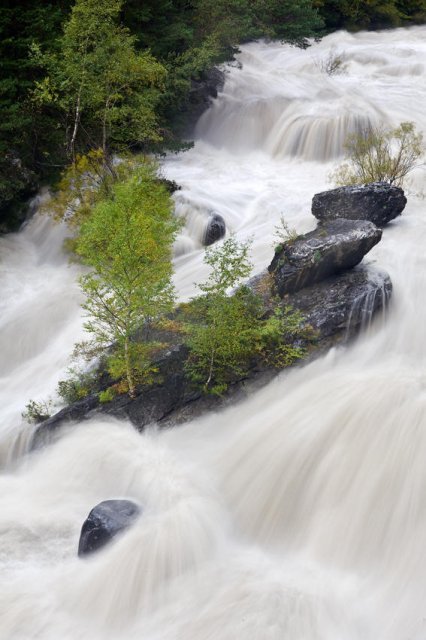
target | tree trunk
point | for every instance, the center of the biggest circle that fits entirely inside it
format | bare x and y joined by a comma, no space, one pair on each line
76,123
129,375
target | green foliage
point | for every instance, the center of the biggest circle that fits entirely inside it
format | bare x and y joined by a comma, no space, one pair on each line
82,184
288,20
281,339
127,242
198,34
137,361
106,90
380,154
371,14
228,333
87,181
113,75
77,386
220,342
36,412
28,135
107,396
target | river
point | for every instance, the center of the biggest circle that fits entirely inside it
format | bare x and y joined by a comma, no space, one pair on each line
298,514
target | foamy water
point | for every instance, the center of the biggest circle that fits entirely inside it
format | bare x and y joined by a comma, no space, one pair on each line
299,513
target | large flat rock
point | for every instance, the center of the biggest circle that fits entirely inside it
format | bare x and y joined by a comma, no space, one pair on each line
331,248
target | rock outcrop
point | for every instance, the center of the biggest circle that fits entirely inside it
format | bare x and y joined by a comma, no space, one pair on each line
378,202
336,309
215,229
331,248
313,273
104,522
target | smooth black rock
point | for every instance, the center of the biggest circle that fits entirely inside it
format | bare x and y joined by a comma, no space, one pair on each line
378,202
104,522
215,229
331,248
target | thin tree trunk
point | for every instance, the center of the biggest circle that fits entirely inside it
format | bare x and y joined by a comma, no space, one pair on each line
209,379
129,376
76,123
104,128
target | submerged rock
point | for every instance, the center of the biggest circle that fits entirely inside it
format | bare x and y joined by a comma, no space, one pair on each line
215,229
331,248
104,522
378,202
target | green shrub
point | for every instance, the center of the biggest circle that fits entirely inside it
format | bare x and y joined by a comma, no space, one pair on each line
79,385
228,334
107,396
282,338
380,154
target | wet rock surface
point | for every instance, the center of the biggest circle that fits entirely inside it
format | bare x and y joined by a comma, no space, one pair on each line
378,202
331,248
104,522
346,303
215,229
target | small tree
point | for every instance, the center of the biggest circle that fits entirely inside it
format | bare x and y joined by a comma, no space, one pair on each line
220,337
229,332
380,154
127,241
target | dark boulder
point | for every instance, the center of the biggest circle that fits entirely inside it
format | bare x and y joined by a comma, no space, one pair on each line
378,202
215,229
104,522
331,248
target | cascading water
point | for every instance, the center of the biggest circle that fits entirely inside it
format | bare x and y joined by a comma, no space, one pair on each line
299,513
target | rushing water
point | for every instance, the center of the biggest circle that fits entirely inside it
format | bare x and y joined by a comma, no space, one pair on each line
298,514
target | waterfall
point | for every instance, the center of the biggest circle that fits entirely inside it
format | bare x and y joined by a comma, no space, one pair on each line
298,513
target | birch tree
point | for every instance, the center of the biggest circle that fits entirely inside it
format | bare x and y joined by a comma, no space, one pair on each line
127,243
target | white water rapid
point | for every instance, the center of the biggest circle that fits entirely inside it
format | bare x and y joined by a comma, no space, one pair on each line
299,514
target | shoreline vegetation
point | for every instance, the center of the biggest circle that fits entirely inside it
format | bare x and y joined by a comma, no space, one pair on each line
79,76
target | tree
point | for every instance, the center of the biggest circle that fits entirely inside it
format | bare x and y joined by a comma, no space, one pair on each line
229,333
127,243
220,339
106,90
380,154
